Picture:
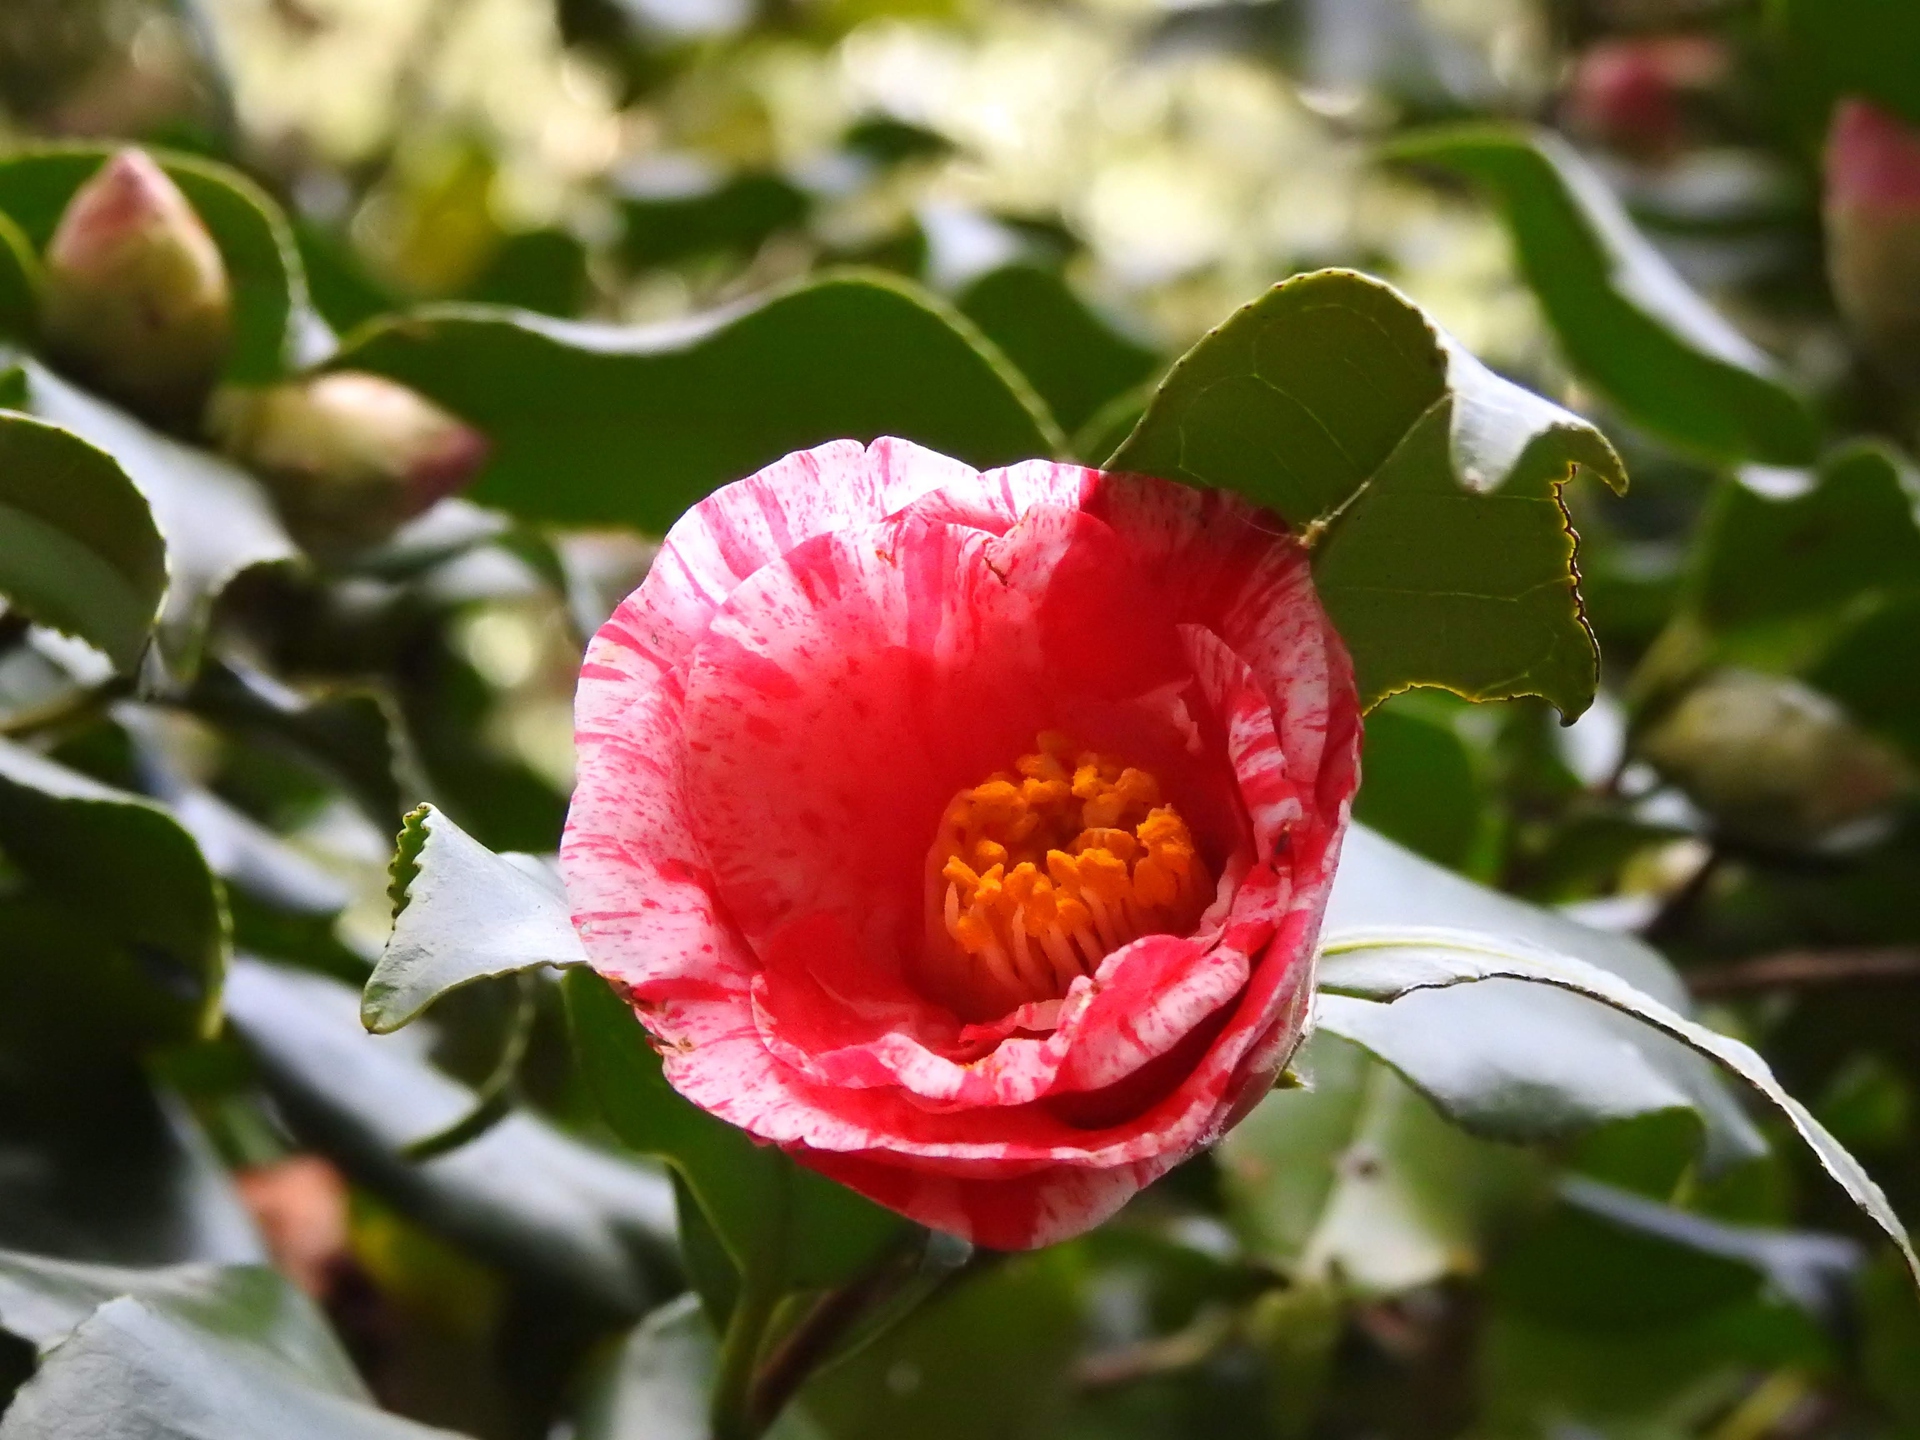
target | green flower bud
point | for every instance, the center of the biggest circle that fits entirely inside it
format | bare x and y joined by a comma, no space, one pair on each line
348,456
135,301
1773,762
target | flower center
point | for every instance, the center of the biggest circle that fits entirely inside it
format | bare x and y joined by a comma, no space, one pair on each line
1036,876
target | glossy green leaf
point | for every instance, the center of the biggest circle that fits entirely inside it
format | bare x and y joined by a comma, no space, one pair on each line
524,1195
79,551
1428,487
1076,359
763,1206
1390,963
1625,319
44,1301
1511,1061
642,422
19,282
1873,668
129,880
215,519
263,266
464,914
136,1370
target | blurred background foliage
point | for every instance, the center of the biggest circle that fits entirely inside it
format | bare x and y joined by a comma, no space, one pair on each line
1090,185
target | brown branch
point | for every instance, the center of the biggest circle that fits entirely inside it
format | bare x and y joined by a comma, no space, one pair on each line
1793,969
1162,1355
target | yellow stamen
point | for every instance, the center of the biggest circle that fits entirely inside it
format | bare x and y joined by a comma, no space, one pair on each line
1037,874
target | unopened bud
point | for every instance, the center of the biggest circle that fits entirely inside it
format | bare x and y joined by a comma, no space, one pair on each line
1873,234
1774,762
348,456
136,303
1635,94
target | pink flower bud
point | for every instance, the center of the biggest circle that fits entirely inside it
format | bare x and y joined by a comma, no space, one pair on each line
1873,234
136,302
349,456
1632,94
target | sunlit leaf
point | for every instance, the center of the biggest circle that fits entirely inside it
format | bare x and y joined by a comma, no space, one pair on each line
465,914
642,422
1626,320
79,551
1428,487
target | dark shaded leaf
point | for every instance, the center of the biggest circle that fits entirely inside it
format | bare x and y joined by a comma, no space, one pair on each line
1609,1258
131,877
1418,786
1075,359
79,551
524,1195
263,266
463,914
761,1204
1624,317
1854,47
1428,486
678,208
99,1167
643,422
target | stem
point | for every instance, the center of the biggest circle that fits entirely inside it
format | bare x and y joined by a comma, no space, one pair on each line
1797,968
733,1409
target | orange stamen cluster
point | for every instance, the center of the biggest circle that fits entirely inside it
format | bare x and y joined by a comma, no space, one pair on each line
1036,876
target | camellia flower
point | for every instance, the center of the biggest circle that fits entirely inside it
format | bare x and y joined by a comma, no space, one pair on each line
966,836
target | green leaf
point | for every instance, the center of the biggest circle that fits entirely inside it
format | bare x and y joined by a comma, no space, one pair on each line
1427,486
1358,1180
136,1369
1608,1259
524,1195
19,282
1420,785
990,1356
126,875
1625,319
656,1383
96,1165
263,266
44,1301
1788,554
79,551
1388,964
1854,47
642,422
1873,668
1511,1061
463,914
1075,358
216,521
762,1205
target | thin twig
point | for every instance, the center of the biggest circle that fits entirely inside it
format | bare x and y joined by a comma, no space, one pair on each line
1793,969
1162,1355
